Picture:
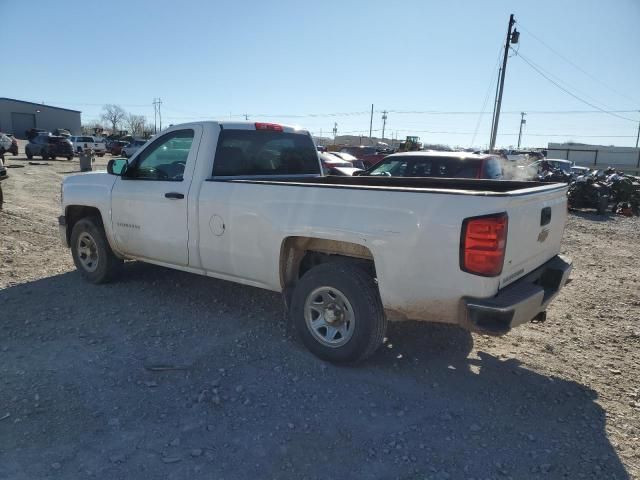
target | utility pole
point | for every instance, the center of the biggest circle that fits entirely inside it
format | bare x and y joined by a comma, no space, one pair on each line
384,123
512,37
155,116
638,135
495,102
246,116
371,123
159,102
335,131
522,122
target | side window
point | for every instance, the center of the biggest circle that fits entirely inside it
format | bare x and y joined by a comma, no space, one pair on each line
165,159
421,168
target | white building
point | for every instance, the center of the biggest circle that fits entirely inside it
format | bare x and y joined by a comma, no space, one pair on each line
596,156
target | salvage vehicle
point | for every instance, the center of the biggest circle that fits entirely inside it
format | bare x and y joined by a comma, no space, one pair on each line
132,147
347,157
80,144
369,156
247,202
332,165
437,164
49,146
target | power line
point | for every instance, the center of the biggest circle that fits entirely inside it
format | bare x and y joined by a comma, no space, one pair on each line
537,69
574,65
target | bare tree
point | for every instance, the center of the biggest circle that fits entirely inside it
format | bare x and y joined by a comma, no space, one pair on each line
113,115
135,123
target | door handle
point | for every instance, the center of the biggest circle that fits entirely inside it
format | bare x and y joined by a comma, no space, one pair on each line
174,195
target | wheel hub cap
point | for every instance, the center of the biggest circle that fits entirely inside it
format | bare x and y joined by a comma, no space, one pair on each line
87,252
329,316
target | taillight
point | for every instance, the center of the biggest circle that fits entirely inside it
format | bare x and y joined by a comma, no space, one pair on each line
274,127
483,243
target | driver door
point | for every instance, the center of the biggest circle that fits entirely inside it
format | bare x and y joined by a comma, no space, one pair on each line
149,201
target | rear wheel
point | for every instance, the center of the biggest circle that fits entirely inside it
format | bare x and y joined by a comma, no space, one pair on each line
44,154
337,312
28,154
91,252
69,157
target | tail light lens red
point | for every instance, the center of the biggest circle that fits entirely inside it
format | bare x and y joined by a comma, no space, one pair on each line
274,127
483,243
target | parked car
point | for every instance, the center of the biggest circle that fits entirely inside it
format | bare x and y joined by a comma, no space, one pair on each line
438,164
368,155
115,147
132,147
248,203
332,165
13,148
8,144
49,146
347,157
82,143
34,132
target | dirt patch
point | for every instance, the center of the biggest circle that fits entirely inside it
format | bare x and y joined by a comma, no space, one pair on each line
171,375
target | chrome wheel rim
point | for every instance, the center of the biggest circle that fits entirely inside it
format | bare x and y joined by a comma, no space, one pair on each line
87,252
329,316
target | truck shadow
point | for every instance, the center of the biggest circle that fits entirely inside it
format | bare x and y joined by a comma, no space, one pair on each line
593,215
427,405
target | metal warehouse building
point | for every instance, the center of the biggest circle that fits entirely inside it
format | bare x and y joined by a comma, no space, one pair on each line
18,116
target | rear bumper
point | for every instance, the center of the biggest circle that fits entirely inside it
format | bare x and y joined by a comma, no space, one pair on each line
518,303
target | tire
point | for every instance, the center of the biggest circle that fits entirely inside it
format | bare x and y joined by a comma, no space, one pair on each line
69,157
44,154
29,155
330,284
603,202
91,252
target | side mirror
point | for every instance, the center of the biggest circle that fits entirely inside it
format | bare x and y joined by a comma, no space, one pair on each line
117,166
358,173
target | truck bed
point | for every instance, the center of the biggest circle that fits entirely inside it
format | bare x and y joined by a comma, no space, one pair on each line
455,186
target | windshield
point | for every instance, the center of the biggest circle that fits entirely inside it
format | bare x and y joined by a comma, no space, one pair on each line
426,166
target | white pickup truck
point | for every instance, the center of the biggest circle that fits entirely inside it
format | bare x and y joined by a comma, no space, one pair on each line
246,202
84,143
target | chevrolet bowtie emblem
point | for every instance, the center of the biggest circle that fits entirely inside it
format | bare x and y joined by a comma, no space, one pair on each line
542,236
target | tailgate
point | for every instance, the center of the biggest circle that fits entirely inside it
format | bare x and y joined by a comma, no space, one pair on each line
536,225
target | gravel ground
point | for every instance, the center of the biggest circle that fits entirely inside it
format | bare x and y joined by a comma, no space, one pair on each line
170,375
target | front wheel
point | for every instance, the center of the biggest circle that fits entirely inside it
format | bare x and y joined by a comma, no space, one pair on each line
337,312
91,252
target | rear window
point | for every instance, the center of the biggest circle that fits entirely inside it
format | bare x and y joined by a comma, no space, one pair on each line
492,168
422,166
256,152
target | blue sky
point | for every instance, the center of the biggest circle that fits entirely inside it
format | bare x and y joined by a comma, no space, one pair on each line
313,64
